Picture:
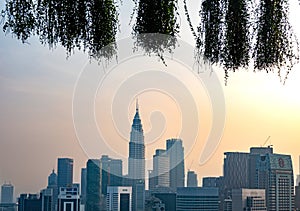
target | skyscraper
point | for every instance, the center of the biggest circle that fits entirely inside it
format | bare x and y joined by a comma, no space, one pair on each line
275,175
52,184
111,172
160,174
93,185
175,152
64,172
136,162
83,186
192,180
7,193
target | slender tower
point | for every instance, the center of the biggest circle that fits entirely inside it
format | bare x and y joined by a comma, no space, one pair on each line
136,162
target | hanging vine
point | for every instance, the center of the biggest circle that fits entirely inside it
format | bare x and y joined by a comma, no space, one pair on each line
210,30
236,40
88,24
20,20
276,46
156,16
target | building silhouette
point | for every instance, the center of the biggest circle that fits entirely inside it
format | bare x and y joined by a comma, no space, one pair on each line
111,172
69,198
197,199
83,186
136,163
93,185
259,169
175,152
248,199
192,180
7,193
64,172
119,198
160,176
52,184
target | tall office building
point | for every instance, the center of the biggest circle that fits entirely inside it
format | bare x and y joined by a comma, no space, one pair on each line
175,152
52,184
83,186
119,198
136,163
274,173
7,193
192,180
64,172
47,199
111,172
93,185
160,175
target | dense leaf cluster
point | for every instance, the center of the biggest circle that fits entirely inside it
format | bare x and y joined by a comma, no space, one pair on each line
91,24
232,32
156,16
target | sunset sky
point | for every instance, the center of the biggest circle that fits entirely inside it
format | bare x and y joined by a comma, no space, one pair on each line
37,87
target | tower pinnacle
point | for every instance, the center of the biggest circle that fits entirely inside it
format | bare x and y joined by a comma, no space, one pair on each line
137,105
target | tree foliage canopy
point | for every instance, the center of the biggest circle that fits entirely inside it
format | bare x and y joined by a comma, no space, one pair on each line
232,33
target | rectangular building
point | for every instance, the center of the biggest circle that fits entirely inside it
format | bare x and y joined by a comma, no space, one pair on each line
197,199
119,198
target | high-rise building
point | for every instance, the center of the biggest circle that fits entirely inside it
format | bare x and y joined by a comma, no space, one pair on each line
7,193
260,169
111,172
248,199
197,199
136,163
64,172
29,202
119,198
69,198
175,152
93,185
47,199
52,184
297,197
210,182
83,186
160,175
192,180
274,173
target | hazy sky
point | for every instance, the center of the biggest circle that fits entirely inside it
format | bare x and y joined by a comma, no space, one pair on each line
36,125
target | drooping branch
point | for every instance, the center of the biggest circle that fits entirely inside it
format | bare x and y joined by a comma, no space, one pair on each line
276,46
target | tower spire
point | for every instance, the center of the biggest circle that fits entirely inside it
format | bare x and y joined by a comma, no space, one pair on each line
137,105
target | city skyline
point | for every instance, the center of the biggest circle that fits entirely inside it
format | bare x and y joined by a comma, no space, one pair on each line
36,124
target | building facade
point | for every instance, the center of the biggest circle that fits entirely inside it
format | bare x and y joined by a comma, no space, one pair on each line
111,172
93,185
275,175
175,152
64,172
7,193
69,199
119,198
136,163
197,199
192,180
248,199
160,176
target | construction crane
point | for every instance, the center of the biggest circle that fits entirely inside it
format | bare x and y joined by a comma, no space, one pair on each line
267,141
